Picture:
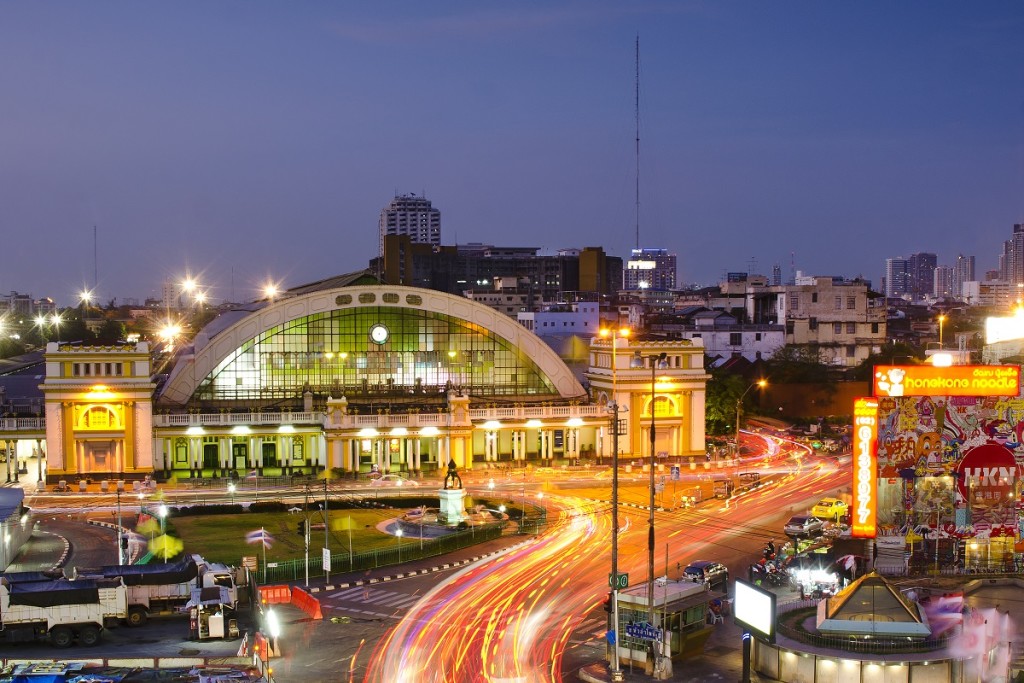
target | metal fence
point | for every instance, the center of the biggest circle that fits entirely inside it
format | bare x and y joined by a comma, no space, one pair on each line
401,551
800,610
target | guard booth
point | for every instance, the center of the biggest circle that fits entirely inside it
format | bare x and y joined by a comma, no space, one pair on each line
680,627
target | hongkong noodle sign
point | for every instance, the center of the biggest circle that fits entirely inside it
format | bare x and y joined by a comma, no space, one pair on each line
955,380
863,522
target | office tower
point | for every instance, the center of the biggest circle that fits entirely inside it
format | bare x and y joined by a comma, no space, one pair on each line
650,269
410,215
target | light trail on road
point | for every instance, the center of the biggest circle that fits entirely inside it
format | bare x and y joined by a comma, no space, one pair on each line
509,619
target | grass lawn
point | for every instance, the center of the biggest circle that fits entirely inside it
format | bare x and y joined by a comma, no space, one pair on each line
221,538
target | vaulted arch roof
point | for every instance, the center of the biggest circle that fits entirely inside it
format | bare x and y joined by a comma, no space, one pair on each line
368,338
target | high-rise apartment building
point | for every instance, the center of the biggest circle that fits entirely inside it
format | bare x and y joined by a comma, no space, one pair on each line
1011,261
410,215
897,277
650,269
963,271
943,282
913,276
922,274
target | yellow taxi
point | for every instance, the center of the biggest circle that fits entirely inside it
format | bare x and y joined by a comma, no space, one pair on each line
829,508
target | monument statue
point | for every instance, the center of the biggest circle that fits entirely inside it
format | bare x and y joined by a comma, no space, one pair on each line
453,477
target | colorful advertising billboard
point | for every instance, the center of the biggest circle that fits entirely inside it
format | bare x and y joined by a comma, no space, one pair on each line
864,514
955,380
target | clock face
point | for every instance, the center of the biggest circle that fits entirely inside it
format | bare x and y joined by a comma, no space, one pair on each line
379,334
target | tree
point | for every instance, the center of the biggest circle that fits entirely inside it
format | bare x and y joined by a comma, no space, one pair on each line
723,391
110,332
798,364
898,353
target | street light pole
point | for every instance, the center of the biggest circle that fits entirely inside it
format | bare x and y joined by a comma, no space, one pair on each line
616,671
739,405
656,362
120,530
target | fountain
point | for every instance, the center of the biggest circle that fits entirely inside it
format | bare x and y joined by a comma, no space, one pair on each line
449,517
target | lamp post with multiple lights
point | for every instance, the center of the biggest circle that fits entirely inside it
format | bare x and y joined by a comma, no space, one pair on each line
624,332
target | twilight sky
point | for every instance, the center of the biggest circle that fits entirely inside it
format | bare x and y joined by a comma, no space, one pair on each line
241,141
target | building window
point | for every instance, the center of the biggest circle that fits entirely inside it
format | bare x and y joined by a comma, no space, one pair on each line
874,328
851,303
837,328
794,303
839,303
851,328
757,336
735,339
814,297
789,327
812,323
851,351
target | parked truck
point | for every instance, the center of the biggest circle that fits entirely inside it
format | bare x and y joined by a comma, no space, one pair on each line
60,610
170,586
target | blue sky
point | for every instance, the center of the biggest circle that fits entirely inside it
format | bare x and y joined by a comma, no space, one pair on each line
242,141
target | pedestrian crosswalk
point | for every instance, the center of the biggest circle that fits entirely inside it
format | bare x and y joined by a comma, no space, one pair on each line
373,599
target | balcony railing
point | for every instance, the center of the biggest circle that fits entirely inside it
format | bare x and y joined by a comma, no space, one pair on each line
22,424
551,413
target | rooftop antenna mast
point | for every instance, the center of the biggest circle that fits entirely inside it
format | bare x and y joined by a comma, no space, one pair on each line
95,260
636,111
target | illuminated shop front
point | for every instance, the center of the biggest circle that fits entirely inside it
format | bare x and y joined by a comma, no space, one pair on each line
950,444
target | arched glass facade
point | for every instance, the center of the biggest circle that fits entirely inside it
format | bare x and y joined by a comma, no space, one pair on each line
375,350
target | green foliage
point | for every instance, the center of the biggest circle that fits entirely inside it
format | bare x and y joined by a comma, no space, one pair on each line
798,364
723,391
111,332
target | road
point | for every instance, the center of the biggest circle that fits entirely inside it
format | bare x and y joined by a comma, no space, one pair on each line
512,619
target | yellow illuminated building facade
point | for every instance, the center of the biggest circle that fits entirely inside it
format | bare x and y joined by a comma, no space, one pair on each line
361,377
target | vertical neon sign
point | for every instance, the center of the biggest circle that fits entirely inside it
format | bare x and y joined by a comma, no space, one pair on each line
865,468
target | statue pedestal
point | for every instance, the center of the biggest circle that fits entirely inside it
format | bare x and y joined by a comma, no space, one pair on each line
453,506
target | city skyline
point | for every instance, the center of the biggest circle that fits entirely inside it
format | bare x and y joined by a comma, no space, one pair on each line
243,144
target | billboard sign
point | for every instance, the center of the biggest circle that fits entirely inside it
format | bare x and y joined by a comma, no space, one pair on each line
955,380
864,514
754,609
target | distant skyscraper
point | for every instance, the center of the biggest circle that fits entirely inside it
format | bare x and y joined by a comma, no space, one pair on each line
922,274
963,271
897,277
650,269
1011,261
914,276
776,275
410,215
943,283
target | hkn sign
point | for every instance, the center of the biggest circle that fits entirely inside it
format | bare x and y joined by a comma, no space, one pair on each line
863,522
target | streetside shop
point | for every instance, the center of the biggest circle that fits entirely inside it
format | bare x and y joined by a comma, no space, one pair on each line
950,442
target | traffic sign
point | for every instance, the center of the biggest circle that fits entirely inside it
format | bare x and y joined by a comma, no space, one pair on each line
675,473
643,631
623,581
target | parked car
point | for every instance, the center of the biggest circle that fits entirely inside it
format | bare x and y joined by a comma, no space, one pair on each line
714,574
803,526
829,508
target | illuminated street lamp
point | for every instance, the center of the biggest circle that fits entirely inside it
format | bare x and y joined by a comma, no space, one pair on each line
398,534
942,319
739,405
85,296
624,332
270,290
657,362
